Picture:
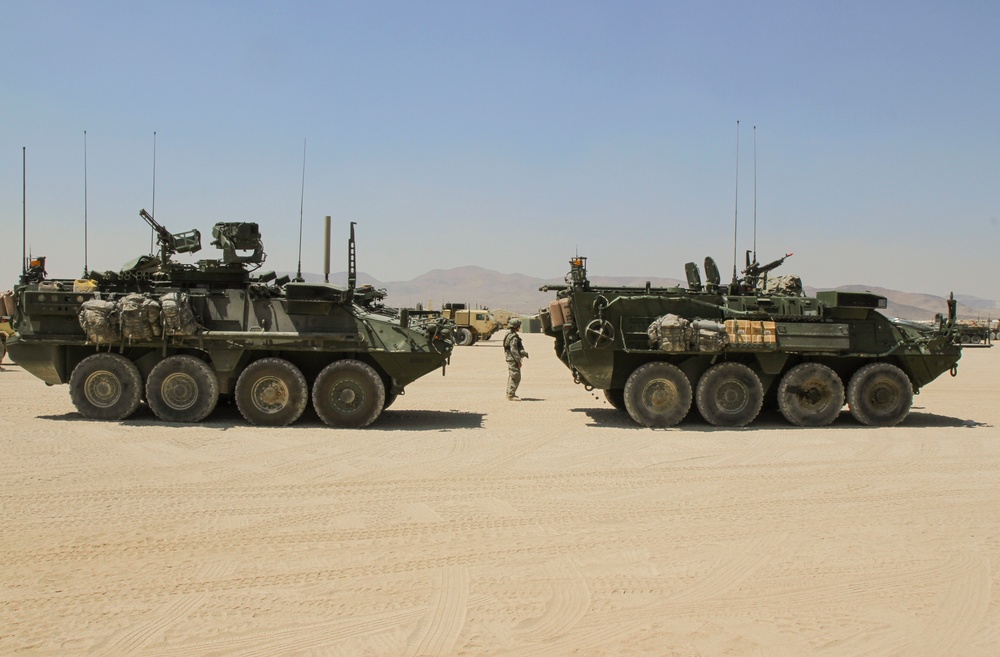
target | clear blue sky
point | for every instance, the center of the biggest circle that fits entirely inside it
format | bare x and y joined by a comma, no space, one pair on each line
512,134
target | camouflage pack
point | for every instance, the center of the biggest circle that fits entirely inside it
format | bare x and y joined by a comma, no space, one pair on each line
789,285
139,317
670,333
709,335
178,318
99,320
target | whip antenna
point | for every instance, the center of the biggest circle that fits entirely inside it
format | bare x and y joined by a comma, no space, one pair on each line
302,201
737,204
85,204
153,207
24,213
755,193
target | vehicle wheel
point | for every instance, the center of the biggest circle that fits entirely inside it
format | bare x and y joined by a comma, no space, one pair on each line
616,397
977,339
348,393
271,392
182,389
389,398
105,387
880,394
730,395
464,337
657,395
810,395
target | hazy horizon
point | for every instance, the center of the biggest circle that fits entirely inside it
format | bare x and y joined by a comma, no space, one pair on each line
513,135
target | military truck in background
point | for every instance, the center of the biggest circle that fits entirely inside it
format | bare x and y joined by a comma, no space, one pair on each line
731,349
975,331
471,326
178,336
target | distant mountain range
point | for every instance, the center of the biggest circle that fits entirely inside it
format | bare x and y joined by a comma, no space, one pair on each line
479,287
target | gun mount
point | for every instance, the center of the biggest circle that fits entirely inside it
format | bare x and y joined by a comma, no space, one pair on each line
755,274
170,243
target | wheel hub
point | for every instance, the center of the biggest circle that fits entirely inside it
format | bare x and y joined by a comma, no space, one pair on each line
347,397
660,396
882,395
103,389
270,394
732,396
179,391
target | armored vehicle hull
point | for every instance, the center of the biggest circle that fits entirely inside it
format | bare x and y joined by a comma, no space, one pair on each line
180,336
729,350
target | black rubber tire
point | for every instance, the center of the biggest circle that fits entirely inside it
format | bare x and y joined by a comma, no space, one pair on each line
271,392
657,395
464,337
616,397
730,395
389,398
182,389
106,387
880,395
348,393
811,395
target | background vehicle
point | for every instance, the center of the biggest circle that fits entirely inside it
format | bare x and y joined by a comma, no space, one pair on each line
974,332
731,349
471,326
179,336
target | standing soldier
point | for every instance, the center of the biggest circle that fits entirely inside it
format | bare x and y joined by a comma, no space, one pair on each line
514,352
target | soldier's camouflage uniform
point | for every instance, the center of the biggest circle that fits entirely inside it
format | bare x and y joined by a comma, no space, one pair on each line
514,352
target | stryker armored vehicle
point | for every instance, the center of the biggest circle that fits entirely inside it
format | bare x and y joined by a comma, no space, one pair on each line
179,335
733,348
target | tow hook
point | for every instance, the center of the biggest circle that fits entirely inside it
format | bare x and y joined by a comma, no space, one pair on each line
578,380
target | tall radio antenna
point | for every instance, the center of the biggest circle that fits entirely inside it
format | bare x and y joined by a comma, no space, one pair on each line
153,207
302,201
737,203
85,269
755,193
24,213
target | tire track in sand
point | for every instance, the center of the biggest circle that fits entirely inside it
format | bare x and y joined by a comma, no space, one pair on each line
131,640
961,609
438,633
569,603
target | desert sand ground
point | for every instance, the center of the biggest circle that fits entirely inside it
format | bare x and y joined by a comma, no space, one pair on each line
463,524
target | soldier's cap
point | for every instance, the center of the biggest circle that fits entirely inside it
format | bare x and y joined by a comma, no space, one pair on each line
515,323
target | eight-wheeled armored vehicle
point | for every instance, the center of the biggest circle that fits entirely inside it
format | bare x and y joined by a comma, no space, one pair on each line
730,349
180,335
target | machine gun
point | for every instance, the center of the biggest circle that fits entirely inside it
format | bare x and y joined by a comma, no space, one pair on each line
754,271
187,242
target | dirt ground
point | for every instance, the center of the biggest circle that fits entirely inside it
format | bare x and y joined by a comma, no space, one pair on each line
463,524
